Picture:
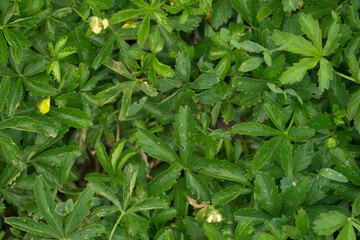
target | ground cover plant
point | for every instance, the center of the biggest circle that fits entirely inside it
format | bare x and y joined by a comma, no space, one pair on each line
179,119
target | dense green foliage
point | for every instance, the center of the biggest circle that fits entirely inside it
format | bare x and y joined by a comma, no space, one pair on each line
179,119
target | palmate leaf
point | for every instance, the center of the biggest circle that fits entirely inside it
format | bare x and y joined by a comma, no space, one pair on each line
296,44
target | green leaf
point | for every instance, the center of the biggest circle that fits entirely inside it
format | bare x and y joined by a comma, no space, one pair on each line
183,66
302,222
332,175
223,66
104,52
274,111
109,94
162,69
290,5
347,233
220,169
205,81
15,46
118,67
267,9
165,180
275,68
103,158
39,88
55,156
228,194
293,232
221,12
300,134
14,97
264,236
353,110
354,16
211,232
35,68
101,3
250,85
251,46
184,127
332,43
156,147
264,153
243,230
267,194
71,117
11,151
197,186
4,90
312,30
247,10
3,50
325,74
81,210
295,44
296,72
26,124
255,216
321,121
346,165
287,161
254,129
46,205
293,196
126,101
104,191
251,64
329,222
29,225
144,30
148,204
127,14
210,147
88,232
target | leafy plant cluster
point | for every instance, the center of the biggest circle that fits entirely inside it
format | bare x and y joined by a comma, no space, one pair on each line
180,119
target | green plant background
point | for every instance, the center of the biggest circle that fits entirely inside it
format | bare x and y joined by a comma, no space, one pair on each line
180,119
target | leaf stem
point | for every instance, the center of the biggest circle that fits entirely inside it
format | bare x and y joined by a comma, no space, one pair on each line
344,76
116,224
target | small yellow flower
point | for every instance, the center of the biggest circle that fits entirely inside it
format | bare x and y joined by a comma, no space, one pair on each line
44,105
95,24
105,23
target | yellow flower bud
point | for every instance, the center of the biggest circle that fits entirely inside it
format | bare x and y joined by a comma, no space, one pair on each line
300,4
44,105
105,23
95,25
